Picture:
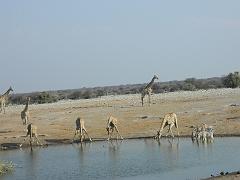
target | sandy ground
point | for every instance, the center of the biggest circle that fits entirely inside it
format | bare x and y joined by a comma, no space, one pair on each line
56,121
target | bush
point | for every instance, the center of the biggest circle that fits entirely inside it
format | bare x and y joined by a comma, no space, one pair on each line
75,95
188,87
190,81
87,94
6,167
45,97
232,80
100,93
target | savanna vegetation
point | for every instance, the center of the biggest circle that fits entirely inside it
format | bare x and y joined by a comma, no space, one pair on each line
232,80
6,167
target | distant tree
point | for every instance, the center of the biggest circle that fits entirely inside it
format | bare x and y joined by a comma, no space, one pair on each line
190,80
87,94
232,80
75,95
188,87
45,97
17,99
135,90
100,93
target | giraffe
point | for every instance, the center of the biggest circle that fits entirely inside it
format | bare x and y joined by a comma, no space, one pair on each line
111,125
25,113
147,90
31,132
80,129
4,98
169,120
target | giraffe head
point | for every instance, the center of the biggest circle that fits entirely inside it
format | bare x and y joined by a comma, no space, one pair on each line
10,89
155,77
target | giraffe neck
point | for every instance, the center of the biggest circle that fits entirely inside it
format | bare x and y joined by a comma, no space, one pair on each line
4,97
149,85
26,107
6,93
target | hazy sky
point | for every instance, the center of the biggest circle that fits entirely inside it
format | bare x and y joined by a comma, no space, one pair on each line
47,45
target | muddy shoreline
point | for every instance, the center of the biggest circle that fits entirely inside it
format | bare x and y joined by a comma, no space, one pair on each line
55,142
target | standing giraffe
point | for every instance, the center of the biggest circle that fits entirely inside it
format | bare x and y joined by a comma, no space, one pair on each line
4,98
25,113
169,120
148,90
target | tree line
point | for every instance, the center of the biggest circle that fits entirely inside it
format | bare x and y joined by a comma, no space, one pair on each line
232,80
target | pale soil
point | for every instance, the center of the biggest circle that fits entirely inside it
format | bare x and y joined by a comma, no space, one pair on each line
57,121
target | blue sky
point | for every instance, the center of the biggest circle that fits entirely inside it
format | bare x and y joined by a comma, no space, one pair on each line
48,45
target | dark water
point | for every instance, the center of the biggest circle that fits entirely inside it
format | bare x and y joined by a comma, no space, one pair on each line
129,159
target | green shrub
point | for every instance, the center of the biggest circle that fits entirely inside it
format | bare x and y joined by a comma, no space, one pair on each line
75,95
87,94
100,93
232,80
45,97
188,87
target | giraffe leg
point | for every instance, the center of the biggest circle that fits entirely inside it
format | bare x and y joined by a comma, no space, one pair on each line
4,108
110,134
170,128
176,125
118,132
81,135
38,142
178,132
23,141
1,107
159,134
142,100
74,135
30,141
26,120
149,99
23,121
87,134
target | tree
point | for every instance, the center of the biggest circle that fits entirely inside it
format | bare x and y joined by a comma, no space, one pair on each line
232,80
100,93
45,97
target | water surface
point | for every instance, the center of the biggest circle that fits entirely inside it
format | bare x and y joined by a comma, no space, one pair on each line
128,159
